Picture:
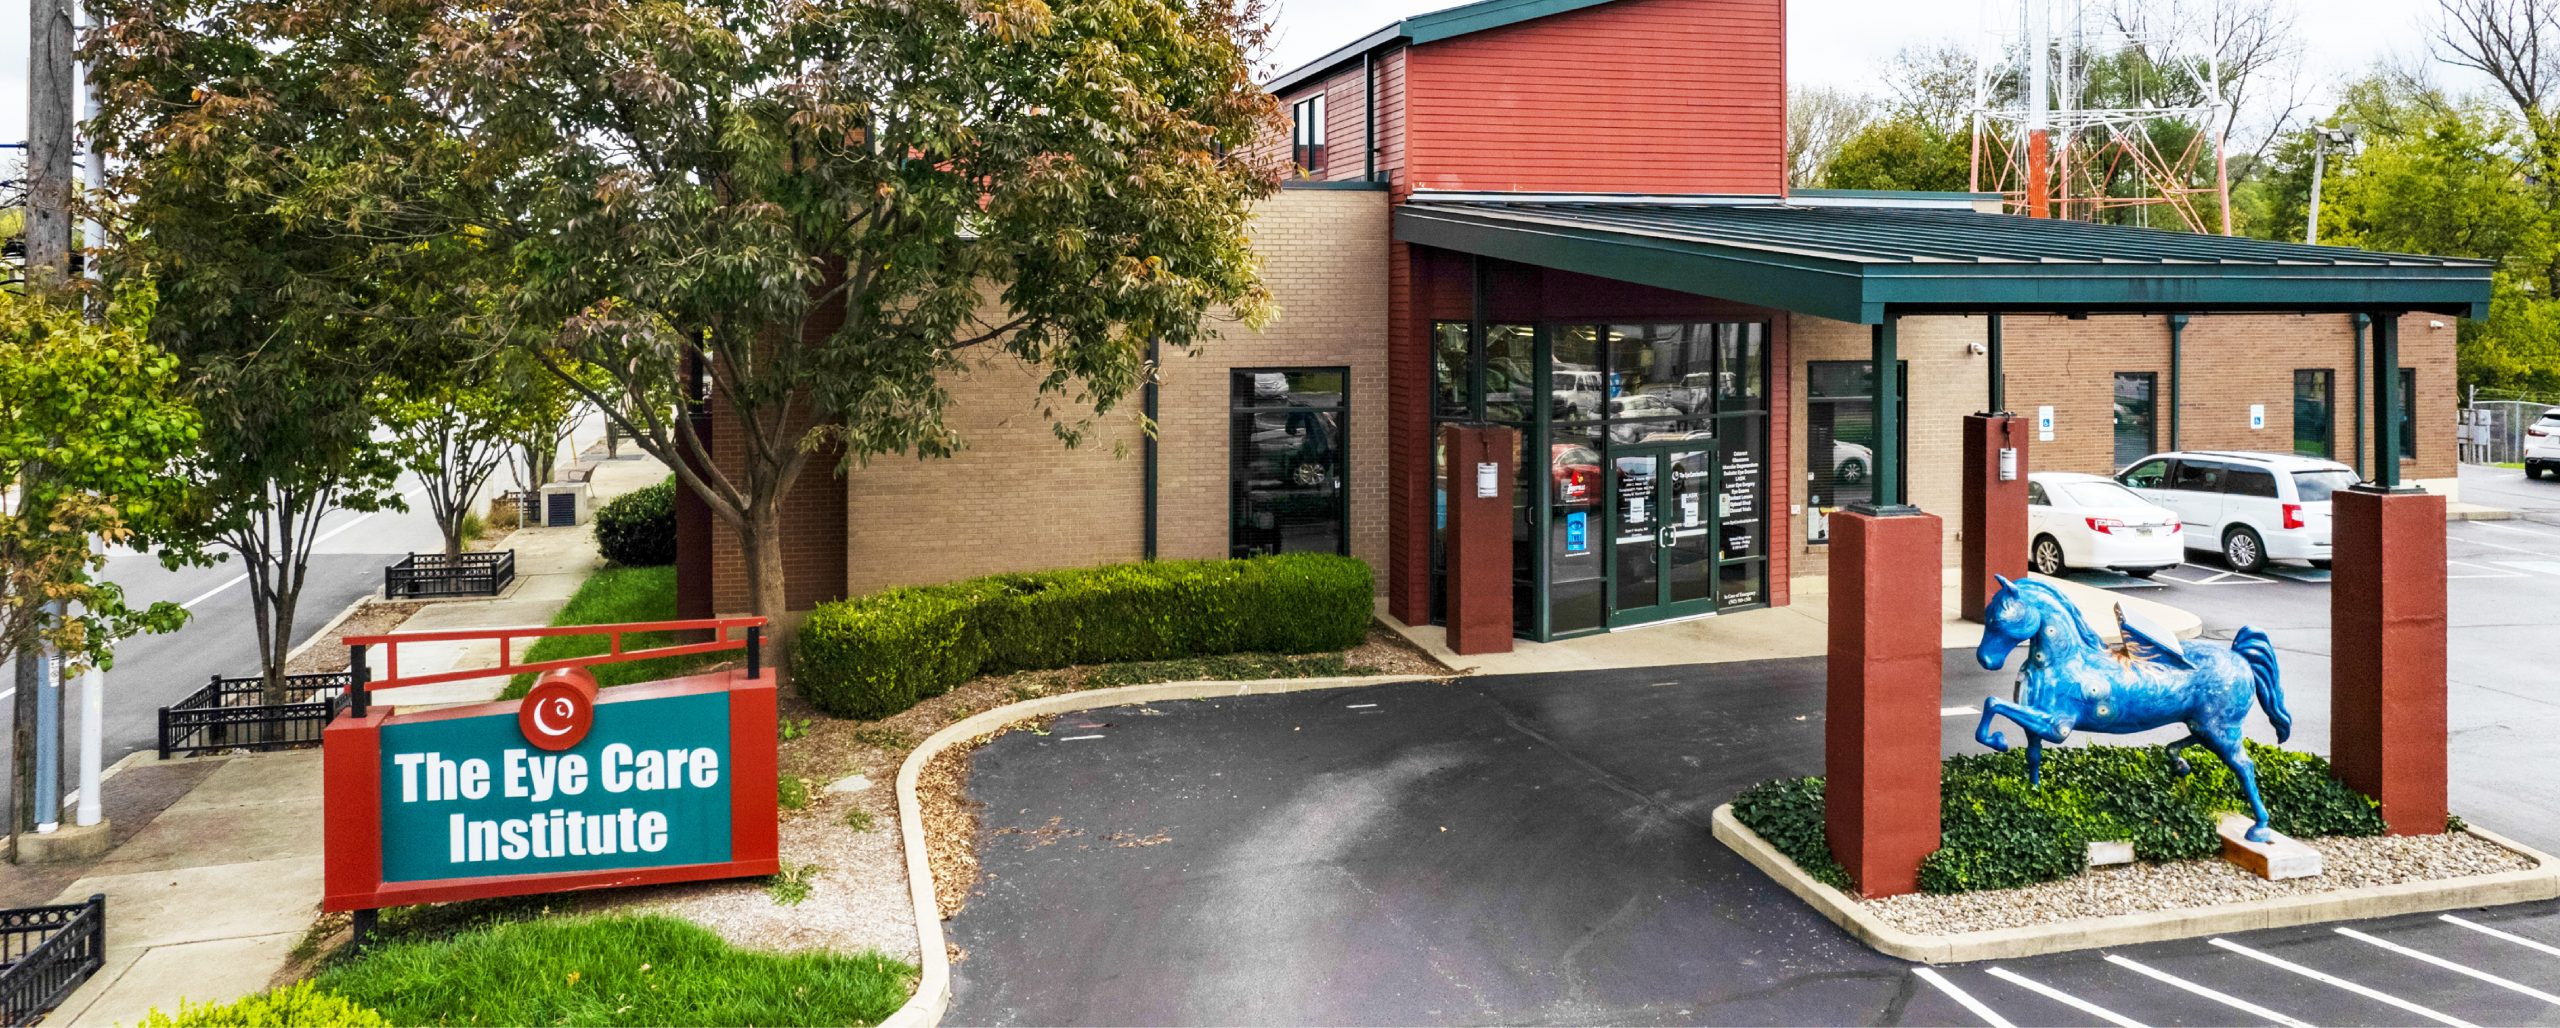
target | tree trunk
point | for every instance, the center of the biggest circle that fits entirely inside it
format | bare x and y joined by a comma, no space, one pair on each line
22,749
761,539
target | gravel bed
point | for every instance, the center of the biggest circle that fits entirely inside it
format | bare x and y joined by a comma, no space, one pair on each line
2346,863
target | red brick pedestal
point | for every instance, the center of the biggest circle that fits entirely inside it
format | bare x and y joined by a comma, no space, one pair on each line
1881,736
1479,536
2387,664
1995,512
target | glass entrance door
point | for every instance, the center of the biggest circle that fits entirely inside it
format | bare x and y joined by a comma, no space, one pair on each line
1661,532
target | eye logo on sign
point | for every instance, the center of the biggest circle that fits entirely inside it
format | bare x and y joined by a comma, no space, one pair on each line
560,708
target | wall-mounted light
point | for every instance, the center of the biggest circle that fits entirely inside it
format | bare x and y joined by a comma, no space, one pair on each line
2435,323
1976,349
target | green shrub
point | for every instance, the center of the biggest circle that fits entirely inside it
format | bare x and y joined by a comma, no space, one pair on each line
876,655
1788,813
294,1006
1996,831
638,528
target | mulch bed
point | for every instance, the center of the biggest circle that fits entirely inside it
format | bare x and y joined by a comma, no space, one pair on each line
330,653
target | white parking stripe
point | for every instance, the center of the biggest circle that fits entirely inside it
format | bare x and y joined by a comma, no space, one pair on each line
2234,1002
1932,977
2064,998
2453,967
2376,995
209,593
2509,936
2511,528
1958,711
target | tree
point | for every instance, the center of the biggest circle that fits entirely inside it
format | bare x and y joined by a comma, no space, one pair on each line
96,410
2516,43
831,206
1818,122
542,410
453,437
1902,154
256,185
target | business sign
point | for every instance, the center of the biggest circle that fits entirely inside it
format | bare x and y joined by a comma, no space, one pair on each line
569,788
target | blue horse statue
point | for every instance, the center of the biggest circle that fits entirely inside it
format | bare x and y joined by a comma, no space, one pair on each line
2073,680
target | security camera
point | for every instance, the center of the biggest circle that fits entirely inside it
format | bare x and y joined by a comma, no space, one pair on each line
1977,349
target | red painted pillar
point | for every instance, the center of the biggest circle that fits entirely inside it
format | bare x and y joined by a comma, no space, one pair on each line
1995,512
1881,733
1482,459
2387,644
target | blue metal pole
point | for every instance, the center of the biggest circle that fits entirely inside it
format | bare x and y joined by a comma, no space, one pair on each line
48,792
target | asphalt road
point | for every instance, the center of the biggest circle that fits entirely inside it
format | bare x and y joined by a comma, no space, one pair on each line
1535,849
220,637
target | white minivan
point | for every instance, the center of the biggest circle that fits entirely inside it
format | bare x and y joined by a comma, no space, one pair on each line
2250,507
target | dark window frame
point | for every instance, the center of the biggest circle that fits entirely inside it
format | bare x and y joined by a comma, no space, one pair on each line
1341,450
2408,414
2328,402
2150,418
1307,135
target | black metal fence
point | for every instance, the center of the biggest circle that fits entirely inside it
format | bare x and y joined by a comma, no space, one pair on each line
45,953
233,713
422,575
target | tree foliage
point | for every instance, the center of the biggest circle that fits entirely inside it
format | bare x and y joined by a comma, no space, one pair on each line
829,208
91,426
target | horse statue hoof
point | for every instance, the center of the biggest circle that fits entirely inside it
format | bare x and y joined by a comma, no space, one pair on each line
2178,766
1998,741
2258,833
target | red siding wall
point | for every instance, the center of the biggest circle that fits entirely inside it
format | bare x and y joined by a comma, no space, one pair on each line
1668,96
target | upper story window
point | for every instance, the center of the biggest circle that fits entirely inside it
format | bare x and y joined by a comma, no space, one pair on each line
1306,135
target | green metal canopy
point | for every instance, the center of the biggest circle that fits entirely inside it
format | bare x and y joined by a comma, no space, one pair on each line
1860,263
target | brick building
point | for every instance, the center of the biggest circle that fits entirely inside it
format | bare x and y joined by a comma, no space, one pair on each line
1604,257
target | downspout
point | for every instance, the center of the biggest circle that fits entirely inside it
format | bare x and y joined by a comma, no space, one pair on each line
1999,393
1369,116
2356,399
1147,485
2177,372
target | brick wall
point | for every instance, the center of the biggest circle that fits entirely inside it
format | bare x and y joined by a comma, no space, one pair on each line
813,529
2229,363
1324,257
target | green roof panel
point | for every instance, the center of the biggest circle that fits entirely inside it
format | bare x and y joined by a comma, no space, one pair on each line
1860,263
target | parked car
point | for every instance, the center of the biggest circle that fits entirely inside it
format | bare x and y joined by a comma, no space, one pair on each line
2251,507
2542,444
1695,393
1576,394
2089,521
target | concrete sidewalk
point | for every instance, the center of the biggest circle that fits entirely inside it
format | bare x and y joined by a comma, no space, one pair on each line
551,563
1801,629
205,902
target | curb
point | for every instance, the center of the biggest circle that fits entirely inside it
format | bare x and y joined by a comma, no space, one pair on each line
2469,512
2541,882
332,626
933,985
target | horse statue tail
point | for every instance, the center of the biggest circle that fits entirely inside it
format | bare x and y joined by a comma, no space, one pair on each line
2254,646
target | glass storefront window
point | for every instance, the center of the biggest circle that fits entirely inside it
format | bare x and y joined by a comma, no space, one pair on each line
1741,371
1449,369
1577,528
1510,373
1289,463
2408,414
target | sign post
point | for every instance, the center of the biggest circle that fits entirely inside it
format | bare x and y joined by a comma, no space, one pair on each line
570,788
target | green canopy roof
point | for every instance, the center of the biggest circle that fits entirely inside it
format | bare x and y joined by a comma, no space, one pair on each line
1860,263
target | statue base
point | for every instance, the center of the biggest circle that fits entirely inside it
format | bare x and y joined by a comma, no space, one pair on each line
2278,858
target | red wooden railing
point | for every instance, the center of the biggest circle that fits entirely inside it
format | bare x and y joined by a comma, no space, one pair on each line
363,681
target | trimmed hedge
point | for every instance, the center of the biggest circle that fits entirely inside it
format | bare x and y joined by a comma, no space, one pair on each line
1997,832
638,528
873,656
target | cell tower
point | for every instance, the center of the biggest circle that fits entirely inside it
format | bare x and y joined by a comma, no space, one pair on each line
2040,141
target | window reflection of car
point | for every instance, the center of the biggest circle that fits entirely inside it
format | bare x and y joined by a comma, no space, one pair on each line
1850,462
1639,406
1577,394
1576,472
1693,394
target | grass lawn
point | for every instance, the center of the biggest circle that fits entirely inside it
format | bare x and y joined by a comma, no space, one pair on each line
2511,465
618,594
615,970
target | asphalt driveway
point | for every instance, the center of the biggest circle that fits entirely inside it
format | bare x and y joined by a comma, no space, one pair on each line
1535,849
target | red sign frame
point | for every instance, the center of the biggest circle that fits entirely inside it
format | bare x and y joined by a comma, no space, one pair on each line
351,760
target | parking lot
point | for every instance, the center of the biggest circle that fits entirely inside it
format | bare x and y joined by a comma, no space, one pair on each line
1533,849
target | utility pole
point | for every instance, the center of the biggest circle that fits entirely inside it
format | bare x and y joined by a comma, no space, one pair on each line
48,241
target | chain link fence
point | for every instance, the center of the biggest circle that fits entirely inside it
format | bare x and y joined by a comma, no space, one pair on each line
2493,423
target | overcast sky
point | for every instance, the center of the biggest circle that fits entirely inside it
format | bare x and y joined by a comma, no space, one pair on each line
1837,43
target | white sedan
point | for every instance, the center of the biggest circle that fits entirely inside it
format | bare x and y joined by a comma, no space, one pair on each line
2088,521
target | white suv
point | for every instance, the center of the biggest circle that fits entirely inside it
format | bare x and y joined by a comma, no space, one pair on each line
2542,444
2251,507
